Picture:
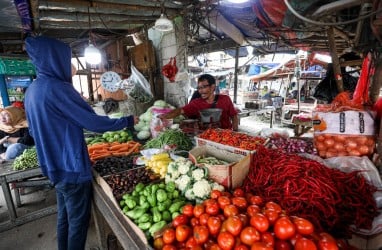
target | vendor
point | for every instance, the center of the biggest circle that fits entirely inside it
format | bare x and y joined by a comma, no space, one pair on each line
206,88
14,133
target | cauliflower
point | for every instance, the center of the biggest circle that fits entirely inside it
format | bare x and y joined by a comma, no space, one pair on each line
190,194
168,178
202,188
217,186
172,170
182,182
184,167
198,174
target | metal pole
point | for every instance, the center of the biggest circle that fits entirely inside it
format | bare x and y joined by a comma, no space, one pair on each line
236,71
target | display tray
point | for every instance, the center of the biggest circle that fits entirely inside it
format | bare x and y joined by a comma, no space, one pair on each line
109,192
203,142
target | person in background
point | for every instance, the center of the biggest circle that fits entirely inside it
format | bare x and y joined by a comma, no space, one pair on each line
57,116
208,99
14,133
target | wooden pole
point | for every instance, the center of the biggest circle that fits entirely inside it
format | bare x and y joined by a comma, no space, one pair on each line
336,62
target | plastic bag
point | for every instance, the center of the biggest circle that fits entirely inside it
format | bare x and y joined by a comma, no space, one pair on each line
361,92
137,87
170,69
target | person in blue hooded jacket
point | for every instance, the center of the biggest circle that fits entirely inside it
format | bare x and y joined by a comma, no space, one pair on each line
57,116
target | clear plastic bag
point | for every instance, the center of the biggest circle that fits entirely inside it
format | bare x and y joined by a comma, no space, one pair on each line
137,87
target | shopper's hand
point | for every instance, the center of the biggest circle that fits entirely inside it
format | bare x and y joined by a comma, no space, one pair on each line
136,119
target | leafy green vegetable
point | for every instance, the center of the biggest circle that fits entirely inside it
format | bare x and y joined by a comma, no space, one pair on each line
171,137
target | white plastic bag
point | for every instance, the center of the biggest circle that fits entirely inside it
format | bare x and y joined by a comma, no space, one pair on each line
137,87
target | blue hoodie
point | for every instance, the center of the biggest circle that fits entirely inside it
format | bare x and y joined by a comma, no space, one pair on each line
57,114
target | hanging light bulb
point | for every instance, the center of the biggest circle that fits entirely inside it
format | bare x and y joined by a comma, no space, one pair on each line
163,24
92,54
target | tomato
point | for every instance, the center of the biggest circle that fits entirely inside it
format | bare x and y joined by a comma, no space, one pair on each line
230,210
181,219
260,222
303,226
244,219
327,245
252,210
223,201
238,192
203,219
169,247
241,247
256,200
305,244
188,210
234,225
249,235
168,236
273,206
227,194
201,234
209,243
295,238
214,224
283,245
182,232
215,194
158,243
284,228
268,238
194,221
240,202
327,242
198,210
226,241
191,243
272,215
212,208
214,247
261,246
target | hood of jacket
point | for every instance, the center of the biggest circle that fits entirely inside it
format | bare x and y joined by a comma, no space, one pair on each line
56,59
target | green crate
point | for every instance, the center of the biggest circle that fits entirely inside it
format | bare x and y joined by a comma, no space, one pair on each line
16,66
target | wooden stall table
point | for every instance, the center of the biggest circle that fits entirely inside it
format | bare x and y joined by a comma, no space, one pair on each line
109,219
24,178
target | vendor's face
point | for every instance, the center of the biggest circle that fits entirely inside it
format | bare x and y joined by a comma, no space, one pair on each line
5,118
205,89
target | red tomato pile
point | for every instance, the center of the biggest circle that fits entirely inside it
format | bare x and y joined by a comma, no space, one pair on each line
331,145
231,138
241,221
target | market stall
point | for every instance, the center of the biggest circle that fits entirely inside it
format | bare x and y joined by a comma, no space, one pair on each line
243,171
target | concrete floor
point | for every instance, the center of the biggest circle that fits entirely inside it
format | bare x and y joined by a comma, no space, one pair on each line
41,234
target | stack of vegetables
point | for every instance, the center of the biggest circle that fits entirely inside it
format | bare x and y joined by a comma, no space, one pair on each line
143,126
158,163
106,149
233,139
171,138
109,136
152,206
332,200
28,159
292,145
241,221
191,180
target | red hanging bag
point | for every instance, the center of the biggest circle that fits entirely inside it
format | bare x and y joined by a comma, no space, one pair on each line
170,69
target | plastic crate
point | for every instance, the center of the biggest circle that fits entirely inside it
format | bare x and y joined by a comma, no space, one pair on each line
204,142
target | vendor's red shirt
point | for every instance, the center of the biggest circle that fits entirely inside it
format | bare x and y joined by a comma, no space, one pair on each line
224,102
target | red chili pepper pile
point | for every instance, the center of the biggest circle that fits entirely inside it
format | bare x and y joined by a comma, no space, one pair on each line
231,138
331,199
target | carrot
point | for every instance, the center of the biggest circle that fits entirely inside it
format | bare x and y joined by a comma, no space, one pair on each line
118,147
99,156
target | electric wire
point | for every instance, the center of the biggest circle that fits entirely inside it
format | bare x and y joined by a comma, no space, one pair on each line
294,12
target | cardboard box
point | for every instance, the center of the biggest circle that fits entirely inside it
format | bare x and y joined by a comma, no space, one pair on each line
231,175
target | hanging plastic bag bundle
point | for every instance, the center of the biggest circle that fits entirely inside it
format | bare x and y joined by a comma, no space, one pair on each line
137,87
